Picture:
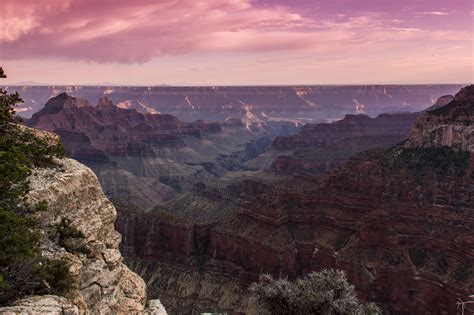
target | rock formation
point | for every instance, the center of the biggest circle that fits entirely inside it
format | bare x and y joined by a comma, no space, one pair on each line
450,125
146,159
318,148
102,284
44,304
398,221
440,102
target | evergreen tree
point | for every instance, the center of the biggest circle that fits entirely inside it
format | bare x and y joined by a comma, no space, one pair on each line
23,270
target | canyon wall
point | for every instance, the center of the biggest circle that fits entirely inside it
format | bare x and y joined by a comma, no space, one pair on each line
449,125
318,148
398,221
145,159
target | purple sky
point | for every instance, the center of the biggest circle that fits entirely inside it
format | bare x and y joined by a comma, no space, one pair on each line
225,42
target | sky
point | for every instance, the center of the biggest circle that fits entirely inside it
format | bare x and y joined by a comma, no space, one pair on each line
237,42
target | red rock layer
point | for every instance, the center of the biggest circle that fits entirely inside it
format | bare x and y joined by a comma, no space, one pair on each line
322,147
399,221
404,245
114,130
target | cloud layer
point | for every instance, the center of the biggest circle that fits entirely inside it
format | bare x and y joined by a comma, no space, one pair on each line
223,41
138,31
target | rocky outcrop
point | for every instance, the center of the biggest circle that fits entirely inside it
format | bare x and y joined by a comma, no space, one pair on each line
101,283
440,102
44,304
450,125
398,221
104,284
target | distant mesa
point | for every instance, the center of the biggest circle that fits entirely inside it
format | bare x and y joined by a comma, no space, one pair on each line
146,158
189,103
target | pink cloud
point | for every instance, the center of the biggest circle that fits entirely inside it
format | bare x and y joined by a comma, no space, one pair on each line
127,31
138,31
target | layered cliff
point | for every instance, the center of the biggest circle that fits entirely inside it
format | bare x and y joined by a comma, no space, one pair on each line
146,159
318,148
398,221
303,103
449,125
78,228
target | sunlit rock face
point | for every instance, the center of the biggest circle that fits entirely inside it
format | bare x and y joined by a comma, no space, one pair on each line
105,284
397,220
102,284
450,125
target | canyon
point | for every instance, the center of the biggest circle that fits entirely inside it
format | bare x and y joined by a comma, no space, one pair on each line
398,220
264,103
145,159
205,207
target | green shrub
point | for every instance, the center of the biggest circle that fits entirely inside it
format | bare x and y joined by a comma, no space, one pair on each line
341,241
71,238
394,259
325,292
65,230
441,263
418,256
56,273
23,270
20,259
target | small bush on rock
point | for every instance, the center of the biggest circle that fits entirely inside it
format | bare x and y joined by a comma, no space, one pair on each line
326,292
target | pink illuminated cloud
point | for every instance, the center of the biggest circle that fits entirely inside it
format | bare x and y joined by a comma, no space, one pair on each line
138,31
237,41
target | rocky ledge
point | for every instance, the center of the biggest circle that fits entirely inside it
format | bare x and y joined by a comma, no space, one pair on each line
449,125
102,284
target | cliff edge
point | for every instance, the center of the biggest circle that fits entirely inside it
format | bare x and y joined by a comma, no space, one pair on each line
448,125
78,227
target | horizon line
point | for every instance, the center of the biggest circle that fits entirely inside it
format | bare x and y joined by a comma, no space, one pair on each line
236,85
